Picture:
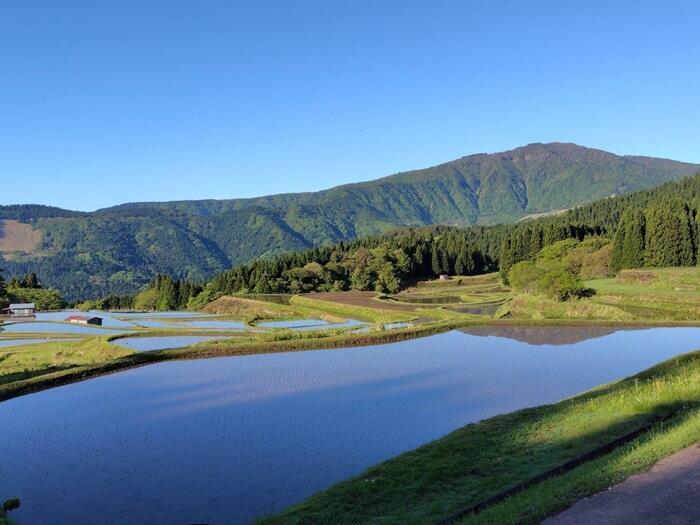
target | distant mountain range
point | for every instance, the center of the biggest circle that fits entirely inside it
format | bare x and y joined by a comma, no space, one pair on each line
118,249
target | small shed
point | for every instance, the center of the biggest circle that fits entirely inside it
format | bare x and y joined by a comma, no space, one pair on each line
444,277
22,310
84,319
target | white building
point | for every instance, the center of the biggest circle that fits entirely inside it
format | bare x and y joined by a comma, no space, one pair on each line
22,310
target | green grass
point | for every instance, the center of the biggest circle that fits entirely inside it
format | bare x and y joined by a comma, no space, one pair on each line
555,495
375,315
480,460
472,290
648,295
251,311
27,361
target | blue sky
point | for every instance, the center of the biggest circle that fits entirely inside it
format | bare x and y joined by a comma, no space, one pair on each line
107,102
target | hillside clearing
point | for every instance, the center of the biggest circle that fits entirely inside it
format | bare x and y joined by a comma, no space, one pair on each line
18,237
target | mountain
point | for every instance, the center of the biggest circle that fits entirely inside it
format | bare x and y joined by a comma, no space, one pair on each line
118,249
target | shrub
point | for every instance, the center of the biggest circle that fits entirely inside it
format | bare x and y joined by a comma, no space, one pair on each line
523,276
10,504
555,271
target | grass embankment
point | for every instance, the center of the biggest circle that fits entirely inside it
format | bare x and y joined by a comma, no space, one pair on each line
252,310
26,361
649,295
480,460
475,290
362,313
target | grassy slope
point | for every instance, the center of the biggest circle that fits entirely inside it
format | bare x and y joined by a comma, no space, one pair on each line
479,460
375,315
557,494
251,310
24,362
659,294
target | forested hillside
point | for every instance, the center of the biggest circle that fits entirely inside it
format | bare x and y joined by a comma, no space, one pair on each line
653,228
120,249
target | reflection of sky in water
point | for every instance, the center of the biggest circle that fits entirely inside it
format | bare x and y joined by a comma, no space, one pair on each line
295,323
394,326
189,325
146,344
107,319
158,315
20,342
58,328
214,325
226,440
309,324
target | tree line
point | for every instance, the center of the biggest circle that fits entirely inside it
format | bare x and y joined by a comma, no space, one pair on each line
658,227
28,289
163,293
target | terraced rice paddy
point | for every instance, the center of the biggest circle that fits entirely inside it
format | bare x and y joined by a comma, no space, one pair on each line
161,342
56,328
227,440
27,341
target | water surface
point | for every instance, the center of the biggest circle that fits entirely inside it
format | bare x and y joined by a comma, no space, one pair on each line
108,319
21,342
213,325
294,323
158,315
226,440
148,344
58,328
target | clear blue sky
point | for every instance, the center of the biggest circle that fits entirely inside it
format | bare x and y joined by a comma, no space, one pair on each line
103,102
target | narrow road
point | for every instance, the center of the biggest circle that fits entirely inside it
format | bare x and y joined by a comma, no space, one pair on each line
669,493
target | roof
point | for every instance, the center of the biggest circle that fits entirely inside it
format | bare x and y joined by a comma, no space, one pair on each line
22,306
81,317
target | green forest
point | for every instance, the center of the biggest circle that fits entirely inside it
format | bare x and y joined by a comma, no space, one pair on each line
28,289
653,228
119,250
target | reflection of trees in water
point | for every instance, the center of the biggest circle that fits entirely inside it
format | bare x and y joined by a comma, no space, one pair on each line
545,335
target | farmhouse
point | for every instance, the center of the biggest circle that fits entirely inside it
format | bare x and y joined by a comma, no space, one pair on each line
84,319
22,310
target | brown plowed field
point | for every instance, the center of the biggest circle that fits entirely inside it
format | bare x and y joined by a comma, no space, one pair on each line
357,298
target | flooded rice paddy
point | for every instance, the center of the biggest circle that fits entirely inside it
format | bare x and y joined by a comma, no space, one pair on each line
230,439
56,328
162,342
21,342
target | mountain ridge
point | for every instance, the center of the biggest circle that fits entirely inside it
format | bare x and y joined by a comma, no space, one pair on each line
119,248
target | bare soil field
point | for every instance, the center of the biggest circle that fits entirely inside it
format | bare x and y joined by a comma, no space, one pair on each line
18,237
358,298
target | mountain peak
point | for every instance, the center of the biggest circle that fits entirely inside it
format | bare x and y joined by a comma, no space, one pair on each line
196,239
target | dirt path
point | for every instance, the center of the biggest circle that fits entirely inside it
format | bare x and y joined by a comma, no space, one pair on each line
669,493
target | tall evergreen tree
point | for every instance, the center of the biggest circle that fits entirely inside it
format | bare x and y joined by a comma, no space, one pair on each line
629,242
506,259
168,297
669,235
3,290
436,260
